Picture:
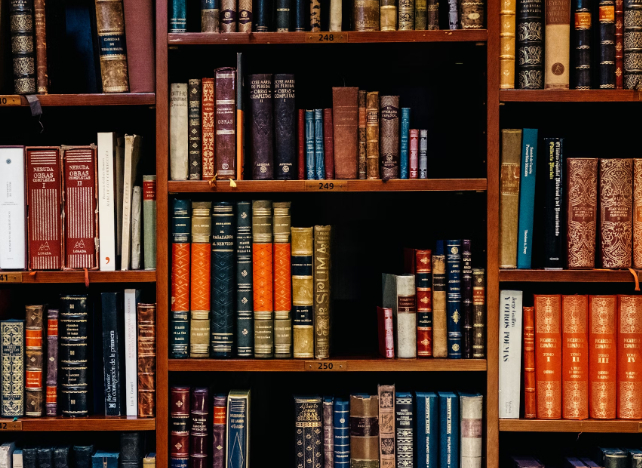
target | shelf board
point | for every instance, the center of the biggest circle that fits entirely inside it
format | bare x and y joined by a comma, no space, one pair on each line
90,423
75,276
395,185
354,37
567,425
67,100
571,276
571,95
353,364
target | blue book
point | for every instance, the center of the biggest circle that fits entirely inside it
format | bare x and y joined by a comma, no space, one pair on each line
244,307
102,459
453,297
237,429
309,145
223,280
427,432
526,198
319,153
404,429
341,433
448,430
405,139
178,16
181,229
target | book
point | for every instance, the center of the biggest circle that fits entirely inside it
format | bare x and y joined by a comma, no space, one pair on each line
404,429
17,459
222,287
364,430
119,189
237,433
421,17
530,401
198,432
51,402
530,44
73,353
453,15
228,16
548,355
219,425
207,127
263,15
225,113
629,343
310,163
262,260
406,15
61,456
82,455
315,16
282,281
432,20
336,11
389,138
510,307
602,357
341,427
23,50
414,155
637,208
45,457
423,154
507,11
130,178
194,138
328,432
309,430
453,298
180,278
328,143
554,197
387,417
388,15
106,155
467,299
102,459
365,16
132,449
581,212
139,39
479,310
110,23
262,126
200,284
319,153
131,347
284,126
179,419
575,370
322,294
528,166
283,16
449,430
146,314
405,126
399,295
583,31
303,292
471,14
616,201
12,206
363,142
372,135
472,416
345,120
7,450
606,52
178,131
113,353
33,351
30,457
427,429
240,105
557,37
178,16
149,222
244,303
439,327
509,197
245,16
423,284
386,332
136,227
632,26
300,15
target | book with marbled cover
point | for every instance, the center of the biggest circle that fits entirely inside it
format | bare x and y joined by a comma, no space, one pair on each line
581,212
629,362
222,288
12,352
548,356
575,357
309,431
616,203
146,365
602,357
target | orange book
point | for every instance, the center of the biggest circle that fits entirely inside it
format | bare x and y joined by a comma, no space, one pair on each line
575,357
629,365
262,266
282,278
602,357
200,284
548,356
530,402
180,277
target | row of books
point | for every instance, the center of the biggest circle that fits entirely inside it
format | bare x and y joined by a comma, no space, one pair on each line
578,193
581,356
278,296
131,455
77,207
321,15
46,40
600,53
59,353
603,457
441,429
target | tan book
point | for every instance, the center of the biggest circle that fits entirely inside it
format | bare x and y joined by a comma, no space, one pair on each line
302,293
365,15
557,44
372,135
507,44
322,302
637,213
509,197
439,321
364,435
388,15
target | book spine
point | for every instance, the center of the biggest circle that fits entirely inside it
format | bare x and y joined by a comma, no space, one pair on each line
606,31
210,19
388,15
199,411
262,262
548,356
554,152
526,198
200,283
602,357
629,367
33,371
303,292
22,40
414,155
510,309
263,15
345,120
107,202
328,144
616,201
365,15
131,160
218,431
619,44
262,132
284,125
301,161
423,283
582,43
453,15
245,16
448,430
341,433
632,50
581,212
51,402
423,154
530,44
575,390
432,22
372,134
387,413
310,171
439,328
336,13
283,15
471,14
146,360
557,37
179,427
406,15
364,430
421,17
322,295
180,282
222,289
404,429
149,222
300,15
237,436
228,16
315,15
112,359
404,137
110,25
467,299
453,304
207,128
472,414
74,355
178,16
386,332
132,448
405,303
507,43
319,153
389,137
427,431
244,304
136,227
530,401
282,281
194,93
225,118
509,197
131,354
42,76
240,116
637,212
363,142
309,429
328,432
479,311
178,131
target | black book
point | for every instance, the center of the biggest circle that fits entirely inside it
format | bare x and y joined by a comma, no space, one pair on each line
606,40
194,94
262,15
467,298
61,456
301,15
554,212
23,46
113,353
56,46
132,449
82,456
285,133
261,126
81,64
530,44
45,457
30,457
582,44
632,47
283,8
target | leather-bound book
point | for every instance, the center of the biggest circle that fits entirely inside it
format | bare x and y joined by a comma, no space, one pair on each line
51,400
328,432
471,422
389,138
404,429
315,15
530,400
453,15
42,76
632,46
228,16
309,431
110,26
637,213
471,14
23,51
139,37
629,362
479,313
439,328
218,430
413,156
530,44
399,294
132,449
388,15
301,144
619,44
423,154
509,197
83,455
262,259
510,310
616,203
363,142
387,418
345,119
421,17
149,222
575,366
178,131
44,214
602,357
554,197
262,128
310,173
507,43
405,143
557,37
178,16
113,353
244,303
427,429
180,278
81,222
406,15
225,122
284,127
364,431
199,410
194,95
582,43
222,287
322,295
385,331
328,144
319,153
30,457
423,284
341,426
372,134
606,53
581,212
45,457
74,355
179,423
210,16
336,13
548,355
33,372
467,299
432,21
301,17
245,16
61,456
453,298
238,429
449,426
282,281
207,128
102,459
282,16
200,286
302,292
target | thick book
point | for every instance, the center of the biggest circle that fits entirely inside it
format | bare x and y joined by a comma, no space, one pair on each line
30,458
194,137
345,119
548,355
12,206
427,429
82,456
315,15
530,400
404,140
207,128
467,299
399,295
364,430
199,427
284,126
61,456
557,38
372,135
180,278
131,344
575,361
528,168
110,26
73,353
322,295
219,424
581,212
507,12
237,433
240,105
149,222
449,430
637,208
282,281
406,15
453,15
421,15
225,120
336,10
616,203
453,298
309,431
200,281
245,16
389,137
341,427
300,19
471,422
283,15
177,16
106,160
263,279
602,357
479,311
319,153
554,199
632,50
363,142
629,363
45,457
139,38
178,132
130,180
310,163
530,44
146,363
439,327
328,144
113,353
386,332
404,429
388,15
509,197
472,14
510,309
222,287
583,30
387,417
179,419
34,400
302,292
328,432
23,50
606,37
51,397
262,131
263,15
244,299
423,285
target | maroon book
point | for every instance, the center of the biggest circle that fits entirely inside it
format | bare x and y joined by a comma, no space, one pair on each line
179,420
44,201
301,133
139,37
200,405
218,431
225,123
328,143
386,336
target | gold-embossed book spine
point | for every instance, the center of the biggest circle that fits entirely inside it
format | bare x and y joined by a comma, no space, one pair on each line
366,15
372,134
282,281
616,203
200,279
548,356
575,357
33,373
602,357
303,292
637,212
629,351
507,43
110,24
262,259
322,302
581,212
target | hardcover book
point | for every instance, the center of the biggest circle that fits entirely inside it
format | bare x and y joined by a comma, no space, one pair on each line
507,43
284,126
399,295
328,432
244,300
23,50
322,294
606,52
51,403
632,50
328,143
449,430
310,165
179,419
471,14
372,135
530,44
548,356
146,365
302,292
406,15
228,16
149,222
509,197
225,119
102,459
387,417
301,140
363,141
282,281
553,218
619,44
177,16
219,425
74,355
637,213
12,206
319,153
530,400
575,364
113,353
107,199
178,132
427,429
557,37
581,212
194,139
414,154
510,307
629,367
180,278
199,411
345,118
139,36
237,429
110,26
341,426
423,154
222,287
389,138
453,298
364,431
200,284
404,136
388,15
207,128
386,332
262,126
479,310
439,327
33,372
472,415
616,202
262,261
421,17
423,283
365,15
404,429
130,179
467,299
582,43
526,198
309,431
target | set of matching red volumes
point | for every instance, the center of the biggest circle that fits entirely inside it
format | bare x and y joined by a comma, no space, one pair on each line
582,357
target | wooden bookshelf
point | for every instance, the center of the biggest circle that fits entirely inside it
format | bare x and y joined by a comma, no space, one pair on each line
573,95
91,423
36,277
70,100
570,276
567,425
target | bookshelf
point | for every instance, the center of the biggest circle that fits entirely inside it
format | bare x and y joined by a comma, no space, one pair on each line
91,423
588,425
573,95
567,276
71,100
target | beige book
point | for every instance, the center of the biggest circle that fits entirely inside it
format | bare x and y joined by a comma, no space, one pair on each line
507,44
509,197
557,44
439,326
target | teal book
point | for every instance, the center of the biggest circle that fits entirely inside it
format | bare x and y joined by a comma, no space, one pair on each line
178,16
427,430
405,141
319,153
309,145
448,430
526,198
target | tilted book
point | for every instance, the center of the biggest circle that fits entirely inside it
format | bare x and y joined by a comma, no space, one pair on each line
132,163
387,417
244,299
178,132
180,278
302,292
427,429
219,425
199,427
34,400
404,429
510,352
557,38
131,346
453,298
449,430
238,429
179,419
262,128
322,293
113,353
345,118
262,261
439,327
575,363
51,403
399,295
509,197
530,400
12,206
309,430
548,355
341,426
528,168
581,212
364,431
222,288
107,200
73,351
554,198
146,365
200,284
629,367
616,203
602,357
282,281
472,416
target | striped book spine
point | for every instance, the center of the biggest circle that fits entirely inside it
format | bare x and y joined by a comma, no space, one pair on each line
319,153
309,145
423,284
222,325
244,300
200,280
453,297
181,231
263,279
282,281
302,293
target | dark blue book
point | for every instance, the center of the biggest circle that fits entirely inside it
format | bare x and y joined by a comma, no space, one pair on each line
102,459
301,15
404,429
82,72
309,436
113,353
453,297
448,430
341,433
45,457
223,279
427,432
178,16
238,431
283,15
244,307
526,198
309,145
263,15
319,153
405,142
181,229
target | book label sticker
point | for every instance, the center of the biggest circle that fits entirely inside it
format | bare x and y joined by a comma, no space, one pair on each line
328,38
326,186
10,101
10,277
11,426
325,366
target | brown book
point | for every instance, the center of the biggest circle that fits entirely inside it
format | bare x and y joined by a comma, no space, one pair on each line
530,401
225,123
364,430
372,135
139,36
34,401
146,360
322,294
388,15
207,128
616,203
110,24
507,43
471,14
602,356
581,212
557,38
509,197
387,419
328,144
637,213
363,142
42,76
575,393
629,365
345,117
548,356
389,137
366,15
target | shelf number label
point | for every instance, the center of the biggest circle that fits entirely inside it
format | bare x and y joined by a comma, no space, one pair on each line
11,426
10,277
10,100
326,185
326,38
326,366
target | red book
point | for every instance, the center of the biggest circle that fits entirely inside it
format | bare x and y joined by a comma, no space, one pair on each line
386,336
619,44
602,357
548,356
179,423
225,123
44,201
629,365
139,39
414,154
301,133
423,284
328,143
81,222
207,128
530,401
575,357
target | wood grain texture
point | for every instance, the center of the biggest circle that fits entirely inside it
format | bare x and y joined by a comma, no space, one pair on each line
91,423
567,425
132,276
571,276
117,99
593,95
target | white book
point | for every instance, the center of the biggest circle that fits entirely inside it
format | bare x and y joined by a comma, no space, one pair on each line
132,158
394,288
136,224
471,430
510,353
6,454
119,159
12,209
131,361
17,459
106,201
178,141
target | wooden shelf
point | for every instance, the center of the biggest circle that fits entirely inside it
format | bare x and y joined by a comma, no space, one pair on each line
352,364
91,423
571,276
62,100
396,185
573,95
561,425
132,276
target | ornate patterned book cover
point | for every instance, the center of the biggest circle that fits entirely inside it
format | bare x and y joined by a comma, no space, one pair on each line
33,372
179,420
467,299
423,154
453,298
283,15
632,44
341,428
207,128
365,15
194,138
51,402
309,435
405,144
372,134
602,357
22,46
616,200
423,284
262,128
218,431
421,17
637,213
322,294
113,353
507,43
399,294
310,167
364,431
548,355
284,127
471,407
178,131
210,16
262,261
73,354
228,16
439,327
110,25
303,292
328,432
413,157
433,15
509,197
530,400
427,429
146,360
363,142
619,44
315,15
222,287
225,121
245,16
389,138
42,77
199,425
479,313
448,430
385,332
582,57
606,34
345,119
387,413
301,143
244,300
177,16
319,153
238,433
328,143
180,279
404,429
629,358
530,44
575,393
406,15
12,207
282,281
554,196
200,284
557,37
581,212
